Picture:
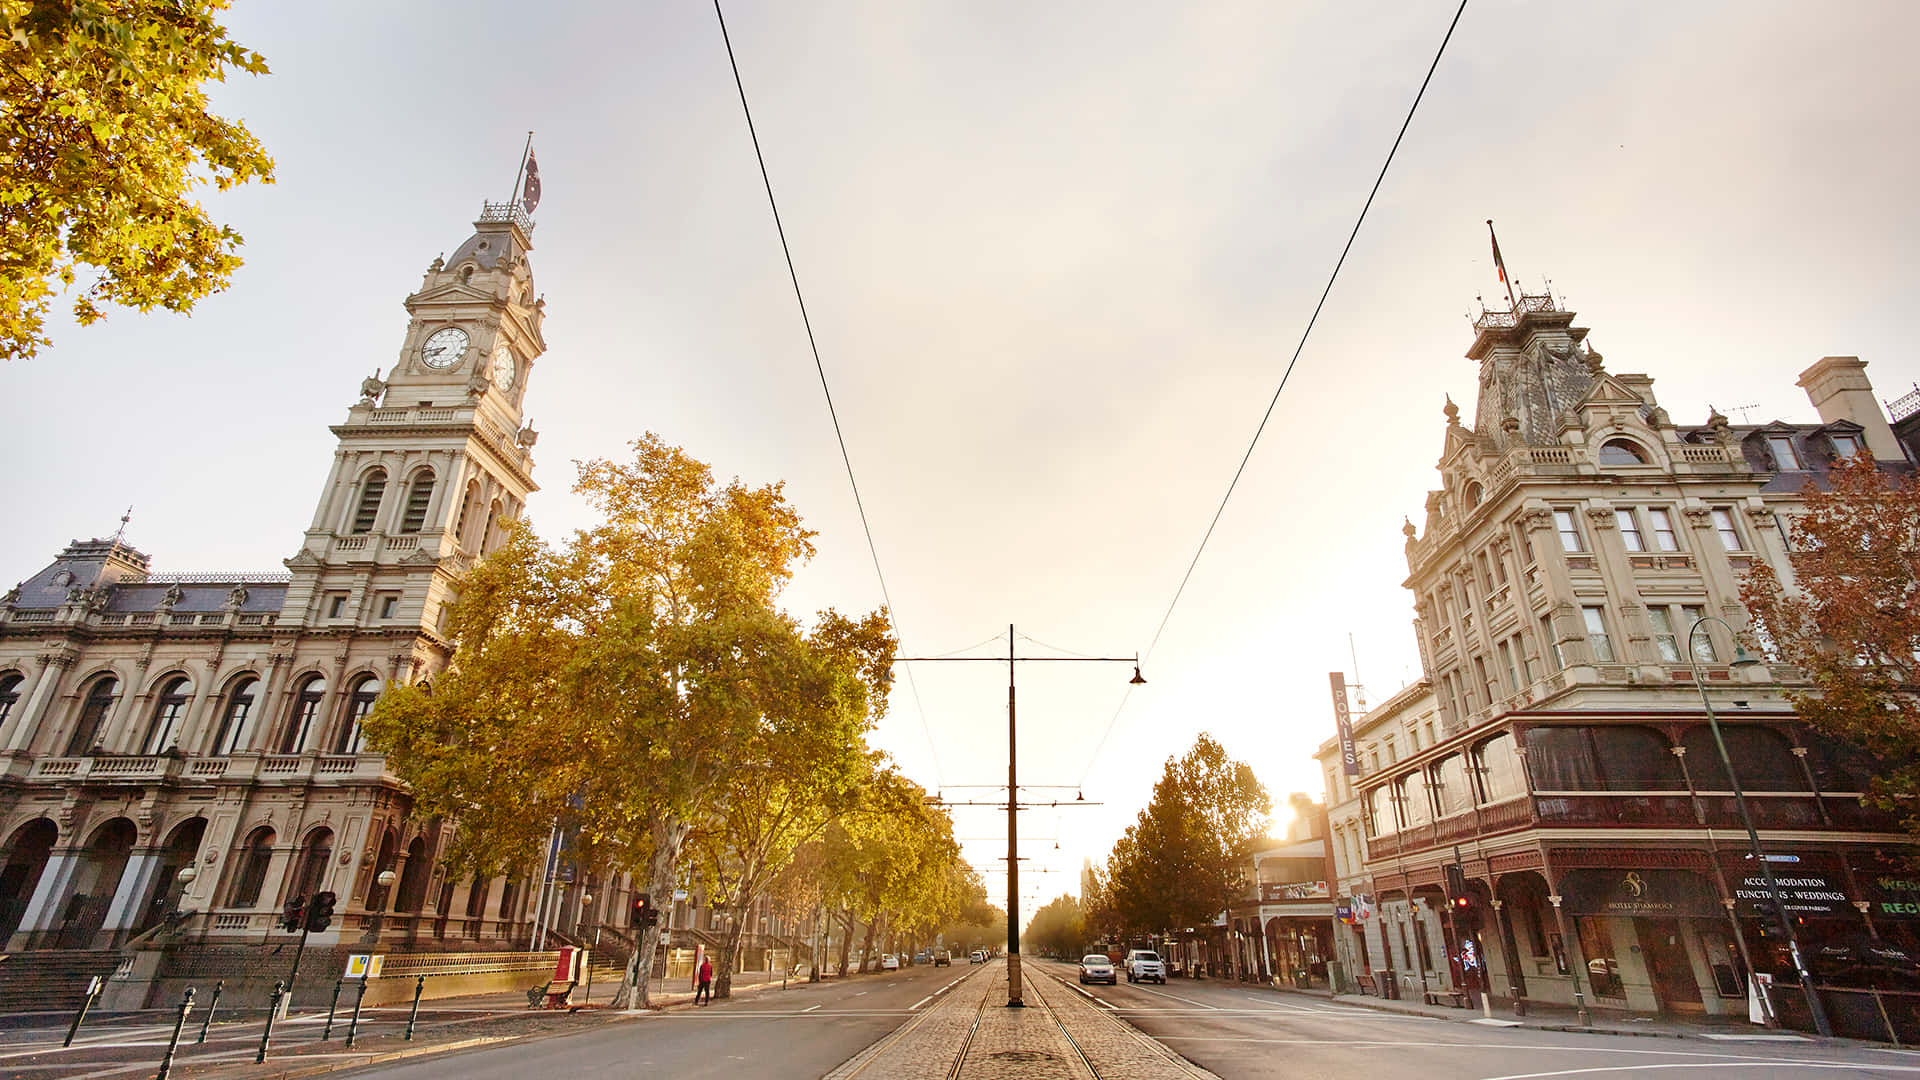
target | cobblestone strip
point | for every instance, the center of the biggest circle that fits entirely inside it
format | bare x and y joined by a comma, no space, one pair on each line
1116,1049
925,1046
1021,1044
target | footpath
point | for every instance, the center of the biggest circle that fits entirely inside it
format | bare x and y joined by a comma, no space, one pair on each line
1545,1017
971,1034
131,1044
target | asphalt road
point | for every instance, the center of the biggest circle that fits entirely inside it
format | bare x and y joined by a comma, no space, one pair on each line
1240,1032
801,1032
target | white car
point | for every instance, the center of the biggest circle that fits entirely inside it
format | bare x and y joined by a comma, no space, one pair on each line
1143,965
1096,968
977,956
889,962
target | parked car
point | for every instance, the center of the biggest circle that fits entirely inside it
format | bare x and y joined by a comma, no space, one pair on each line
889,962
977,956
1096,968
943,958
1143,965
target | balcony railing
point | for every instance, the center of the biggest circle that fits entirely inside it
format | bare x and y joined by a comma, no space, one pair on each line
1655,809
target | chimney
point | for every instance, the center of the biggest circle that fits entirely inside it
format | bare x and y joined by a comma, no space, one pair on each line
1839,390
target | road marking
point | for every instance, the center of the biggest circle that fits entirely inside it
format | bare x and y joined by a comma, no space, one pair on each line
862,993
1176,997
1743,1064
1735,1037
1272,1004
1494,1022
916,1005
809,1008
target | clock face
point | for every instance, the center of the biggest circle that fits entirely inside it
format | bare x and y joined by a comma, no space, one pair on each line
445,348
503,367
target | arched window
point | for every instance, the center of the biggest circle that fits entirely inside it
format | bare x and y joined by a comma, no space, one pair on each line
86,729
1380,819
367,510
1498,764
167,713
1410,791
487,538
477,897
306,710
1474,494
1450,787
507,897
1622,452
253,869
412,890
233,721
1763,759
9,694
1623,757
419,494
466,512
360,699
312,871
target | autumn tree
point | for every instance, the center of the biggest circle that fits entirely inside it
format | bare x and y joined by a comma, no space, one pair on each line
636,682
1059,928
1849,619
1184,859
107,135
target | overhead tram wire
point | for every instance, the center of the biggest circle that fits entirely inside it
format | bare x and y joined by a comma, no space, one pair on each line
1285,375
893,613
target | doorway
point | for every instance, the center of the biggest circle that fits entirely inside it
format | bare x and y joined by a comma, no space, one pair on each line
1665,954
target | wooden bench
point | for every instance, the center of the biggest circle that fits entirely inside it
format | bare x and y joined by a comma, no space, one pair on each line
552,994
1455,998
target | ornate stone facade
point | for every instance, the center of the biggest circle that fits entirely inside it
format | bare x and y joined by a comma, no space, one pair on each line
1557,746
154,723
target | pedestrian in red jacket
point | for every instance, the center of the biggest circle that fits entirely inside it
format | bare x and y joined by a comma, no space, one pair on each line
704,995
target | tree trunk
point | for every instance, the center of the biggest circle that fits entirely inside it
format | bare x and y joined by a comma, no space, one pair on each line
730,950
866,947
669,834
846,938
817,945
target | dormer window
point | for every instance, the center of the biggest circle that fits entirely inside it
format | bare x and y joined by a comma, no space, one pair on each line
1785,457
1845,447
1622,452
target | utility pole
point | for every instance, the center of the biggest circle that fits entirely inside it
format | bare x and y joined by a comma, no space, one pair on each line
1015,997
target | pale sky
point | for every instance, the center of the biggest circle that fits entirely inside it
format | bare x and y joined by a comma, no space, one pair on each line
1057,256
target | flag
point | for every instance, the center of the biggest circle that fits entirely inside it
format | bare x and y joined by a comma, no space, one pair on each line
1499,264
530,189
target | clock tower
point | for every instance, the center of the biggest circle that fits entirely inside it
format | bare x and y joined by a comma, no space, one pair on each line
434,462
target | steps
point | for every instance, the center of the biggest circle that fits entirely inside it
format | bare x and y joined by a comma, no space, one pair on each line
51,979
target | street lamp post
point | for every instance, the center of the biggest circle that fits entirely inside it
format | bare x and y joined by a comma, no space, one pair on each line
385,880
1741,659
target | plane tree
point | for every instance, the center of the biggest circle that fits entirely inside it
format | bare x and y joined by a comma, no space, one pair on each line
108,133
635,680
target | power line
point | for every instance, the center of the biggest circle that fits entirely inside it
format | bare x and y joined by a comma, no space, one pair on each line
1288,373
814,346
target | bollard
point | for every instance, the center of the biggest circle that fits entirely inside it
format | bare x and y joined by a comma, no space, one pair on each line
419,985
93,992
212,1004
353,1026
273,1010
166,1063
327,1032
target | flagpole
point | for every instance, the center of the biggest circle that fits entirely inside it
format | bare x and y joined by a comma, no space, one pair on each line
514,195
1498,262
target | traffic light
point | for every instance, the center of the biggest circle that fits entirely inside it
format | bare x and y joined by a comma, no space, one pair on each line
1456,877
644,913
293,916
320,912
